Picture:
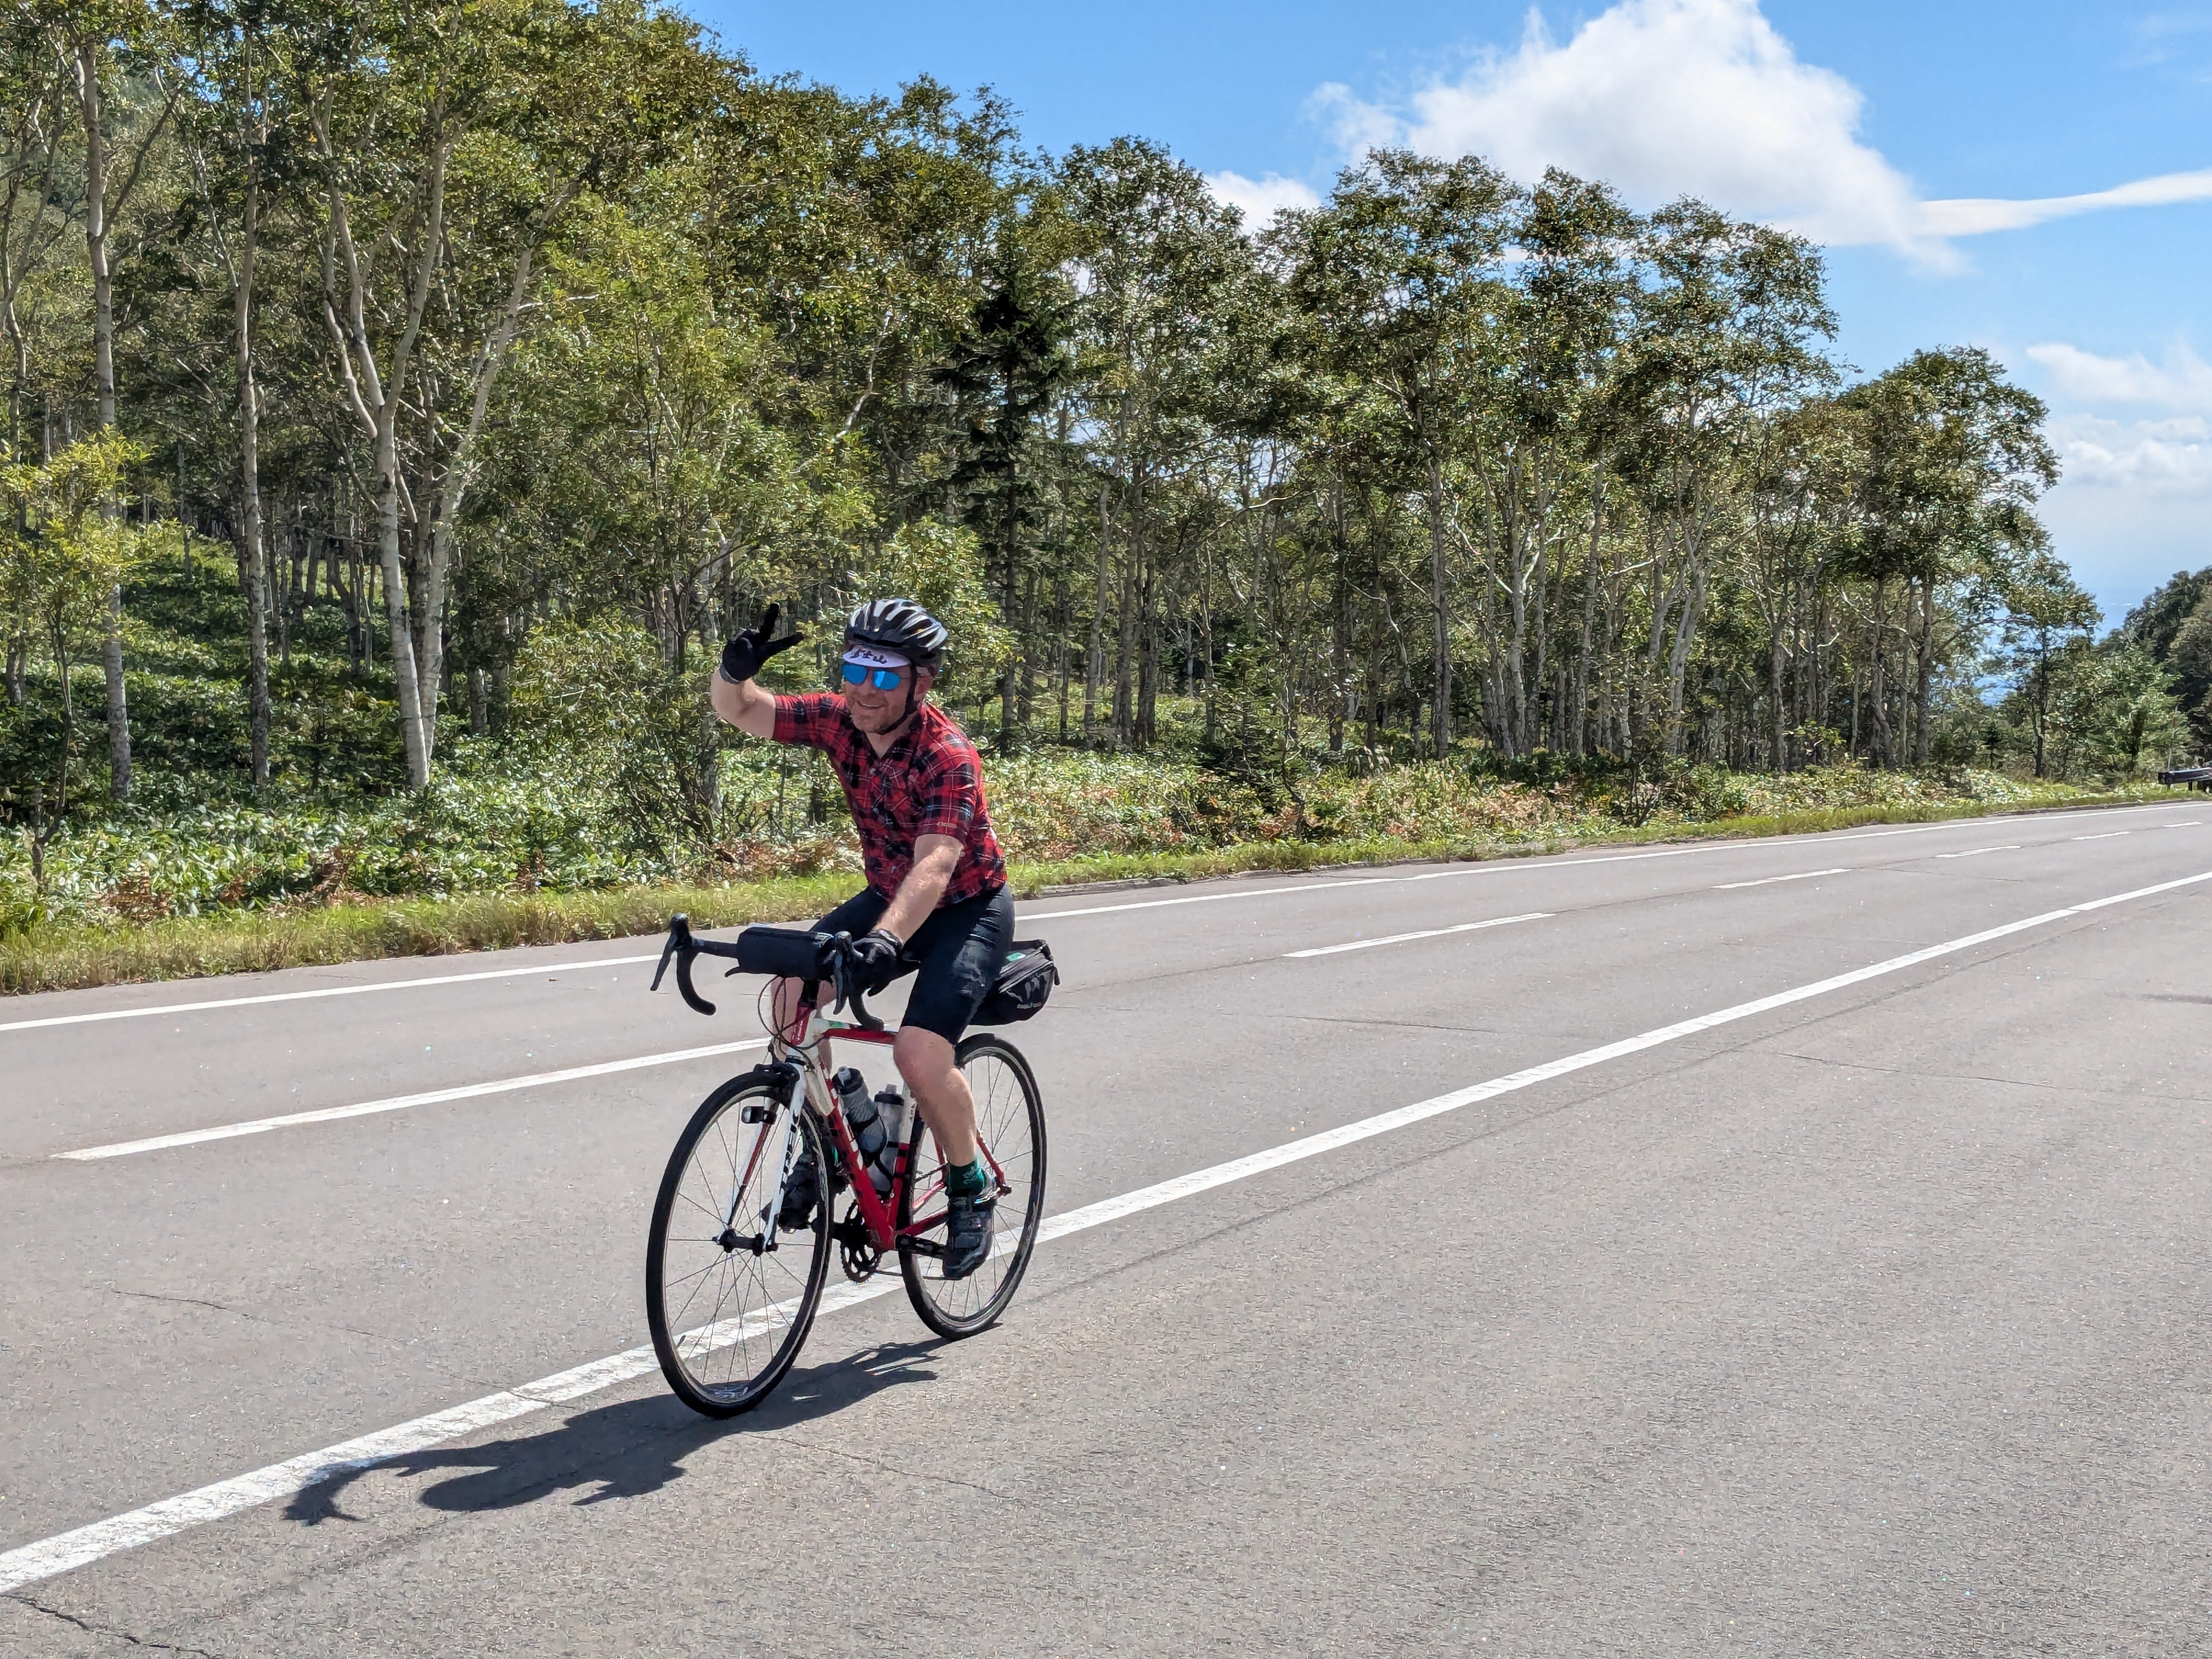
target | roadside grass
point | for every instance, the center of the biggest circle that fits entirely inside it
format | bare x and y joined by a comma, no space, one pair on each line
52,959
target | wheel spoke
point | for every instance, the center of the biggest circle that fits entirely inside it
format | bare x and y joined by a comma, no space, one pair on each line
1010,1127
726,1325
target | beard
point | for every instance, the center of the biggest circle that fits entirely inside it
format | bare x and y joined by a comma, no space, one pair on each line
888,717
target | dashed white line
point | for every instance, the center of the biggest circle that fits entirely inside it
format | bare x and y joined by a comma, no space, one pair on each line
49,1557
1426,933
1768,881
2110,834
1976,853
1209,899
401,1102
551,969
2185,823
1488,867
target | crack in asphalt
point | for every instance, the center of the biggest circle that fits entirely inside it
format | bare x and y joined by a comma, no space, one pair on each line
251,1317
1978,1076
92,1629
912,1474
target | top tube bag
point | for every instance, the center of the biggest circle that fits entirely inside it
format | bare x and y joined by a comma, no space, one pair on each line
1025,979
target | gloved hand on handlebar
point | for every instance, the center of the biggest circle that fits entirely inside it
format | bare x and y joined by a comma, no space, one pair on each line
742,656
874,955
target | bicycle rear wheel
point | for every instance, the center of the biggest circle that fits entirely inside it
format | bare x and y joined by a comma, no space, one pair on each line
1009,1120
729,1313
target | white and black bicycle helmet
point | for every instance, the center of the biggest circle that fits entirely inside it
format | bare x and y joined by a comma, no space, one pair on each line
900,627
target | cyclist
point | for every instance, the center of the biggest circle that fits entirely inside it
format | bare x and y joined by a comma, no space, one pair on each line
936,903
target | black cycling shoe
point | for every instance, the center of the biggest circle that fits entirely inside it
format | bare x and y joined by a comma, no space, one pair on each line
795,1209
967,1231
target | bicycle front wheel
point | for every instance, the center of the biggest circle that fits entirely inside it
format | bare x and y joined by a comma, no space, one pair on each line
1010,1122
729,1305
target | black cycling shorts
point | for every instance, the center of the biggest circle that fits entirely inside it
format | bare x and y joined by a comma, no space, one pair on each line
954,956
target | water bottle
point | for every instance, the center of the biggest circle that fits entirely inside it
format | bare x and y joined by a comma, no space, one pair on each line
891,1114
862,1115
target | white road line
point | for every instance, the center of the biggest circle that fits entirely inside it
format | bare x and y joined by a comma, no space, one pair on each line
2108,835
1553,861
401,1102
48,1557
551,969
1487,867
1768,881
1977,852
1211,899
2185,823
1426,933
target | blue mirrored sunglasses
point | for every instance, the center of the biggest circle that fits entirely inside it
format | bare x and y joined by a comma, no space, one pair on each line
884,679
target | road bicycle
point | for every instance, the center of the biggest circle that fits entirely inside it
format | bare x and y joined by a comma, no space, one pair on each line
729,1298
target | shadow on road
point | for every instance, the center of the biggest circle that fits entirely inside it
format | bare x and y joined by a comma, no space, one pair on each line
623,1451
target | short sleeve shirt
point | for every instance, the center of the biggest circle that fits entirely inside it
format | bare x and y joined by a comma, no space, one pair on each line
930,782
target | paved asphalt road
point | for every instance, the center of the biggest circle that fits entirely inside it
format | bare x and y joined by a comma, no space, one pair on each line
1874,1323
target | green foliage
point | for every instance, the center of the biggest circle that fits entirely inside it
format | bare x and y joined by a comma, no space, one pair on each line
2175,624
2113,713
941,566
595,706
1454,511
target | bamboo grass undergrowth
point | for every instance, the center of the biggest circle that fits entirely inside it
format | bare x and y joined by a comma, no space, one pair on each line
259,941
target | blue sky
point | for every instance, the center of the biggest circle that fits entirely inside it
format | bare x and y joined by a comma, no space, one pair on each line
1928,146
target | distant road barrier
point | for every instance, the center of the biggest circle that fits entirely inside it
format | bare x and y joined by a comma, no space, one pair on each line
2197,777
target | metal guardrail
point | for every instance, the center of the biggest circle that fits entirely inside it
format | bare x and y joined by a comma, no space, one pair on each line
2195,777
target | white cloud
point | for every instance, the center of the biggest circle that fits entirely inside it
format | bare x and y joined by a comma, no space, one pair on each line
1665,98
2157,457
2135,496
2168,455
1260,199
1972,216
2184,382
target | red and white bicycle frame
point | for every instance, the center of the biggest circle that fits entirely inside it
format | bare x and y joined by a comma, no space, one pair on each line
804,1045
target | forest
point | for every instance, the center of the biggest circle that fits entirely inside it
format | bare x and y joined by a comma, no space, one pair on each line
405,399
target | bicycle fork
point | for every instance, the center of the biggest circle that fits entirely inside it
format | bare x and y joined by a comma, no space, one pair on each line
762,1243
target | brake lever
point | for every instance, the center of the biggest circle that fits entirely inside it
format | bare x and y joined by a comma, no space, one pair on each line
679,931
841,970
683,948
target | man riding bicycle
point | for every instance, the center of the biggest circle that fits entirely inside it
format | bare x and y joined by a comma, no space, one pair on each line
936,903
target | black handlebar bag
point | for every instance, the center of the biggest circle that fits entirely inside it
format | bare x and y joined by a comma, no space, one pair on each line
784,952
1025,981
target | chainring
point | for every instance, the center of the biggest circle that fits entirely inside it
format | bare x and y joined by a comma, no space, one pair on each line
856,1253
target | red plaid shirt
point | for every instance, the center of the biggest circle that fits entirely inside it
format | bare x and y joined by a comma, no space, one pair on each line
930,782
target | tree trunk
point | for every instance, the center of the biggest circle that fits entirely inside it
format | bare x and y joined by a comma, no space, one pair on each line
1148,666
1883,742
1923,737
1094,664
1779,763
103,355
1441,727
249,479
376,395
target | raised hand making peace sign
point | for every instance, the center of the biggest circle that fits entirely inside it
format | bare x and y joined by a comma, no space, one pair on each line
742,656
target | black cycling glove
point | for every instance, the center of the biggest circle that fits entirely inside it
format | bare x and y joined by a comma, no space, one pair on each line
742,656
876,953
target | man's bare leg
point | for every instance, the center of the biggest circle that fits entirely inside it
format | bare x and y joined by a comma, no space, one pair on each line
940,1093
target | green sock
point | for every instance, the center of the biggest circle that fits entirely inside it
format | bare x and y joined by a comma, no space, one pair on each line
967,1180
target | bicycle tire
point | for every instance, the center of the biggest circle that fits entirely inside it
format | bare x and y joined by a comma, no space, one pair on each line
717,1138
1008,1097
